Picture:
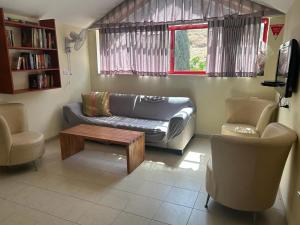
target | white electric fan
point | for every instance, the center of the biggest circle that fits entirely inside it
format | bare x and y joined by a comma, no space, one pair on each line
78,40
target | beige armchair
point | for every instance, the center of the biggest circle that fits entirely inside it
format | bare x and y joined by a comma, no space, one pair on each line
248,117
244,173
17,144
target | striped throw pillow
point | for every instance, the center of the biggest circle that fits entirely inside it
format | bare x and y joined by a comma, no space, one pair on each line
96,104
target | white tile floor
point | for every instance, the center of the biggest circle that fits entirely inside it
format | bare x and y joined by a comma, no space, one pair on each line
92,188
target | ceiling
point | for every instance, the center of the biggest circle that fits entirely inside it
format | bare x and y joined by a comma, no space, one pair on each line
281,5
82,13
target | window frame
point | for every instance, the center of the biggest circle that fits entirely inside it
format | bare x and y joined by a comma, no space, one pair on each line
172,30
266,21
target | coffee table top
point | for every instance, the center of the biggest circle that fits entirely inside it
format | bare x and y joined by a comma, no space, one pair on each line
98,133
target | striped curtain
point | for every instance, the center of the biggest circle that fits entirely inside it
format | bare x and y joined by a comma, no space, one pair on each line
134,35
134,50
233,46
157,12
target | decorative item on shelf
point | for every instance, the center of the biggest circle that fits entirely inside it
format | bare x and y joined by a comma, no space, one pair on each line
78,40
20,21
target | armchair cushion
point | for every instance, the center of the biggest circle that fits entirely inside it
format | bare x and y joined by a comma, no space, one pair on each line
26,147
248,116
241,130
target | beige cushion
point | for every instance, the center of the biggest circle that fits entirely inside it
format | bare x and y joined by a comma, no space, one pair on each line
249,113
244,173
96,104
26,147
241,130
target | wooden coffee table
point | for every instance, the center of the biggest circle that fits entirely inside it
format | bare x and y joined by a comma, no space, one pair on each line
72,141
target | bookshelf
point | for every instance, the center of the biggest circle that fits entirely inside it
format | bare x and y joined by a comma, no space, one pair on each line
28,50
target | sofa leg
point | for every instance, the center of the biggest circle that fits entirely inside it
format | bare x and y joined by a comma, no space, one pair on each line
207,200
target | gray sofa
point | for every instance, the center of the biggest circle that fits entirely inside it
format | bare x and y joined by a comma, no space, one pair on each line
168,122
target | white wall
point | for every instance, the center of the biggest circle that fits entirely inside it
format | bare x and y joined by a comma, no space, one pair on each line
291,117
209,94
44,108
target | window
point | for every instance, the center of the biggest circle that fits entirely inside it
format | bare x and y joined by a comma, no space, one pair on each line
262,48
264,30
188,49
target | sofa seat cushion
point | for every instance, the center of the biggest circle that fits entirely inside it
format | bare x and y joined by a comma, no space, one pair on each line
26,147
155,130
241,130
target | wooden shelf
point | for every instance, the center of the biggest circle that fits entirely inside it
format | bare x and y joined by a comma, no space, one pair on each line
34,70
33,49
9,76
19,24
26,90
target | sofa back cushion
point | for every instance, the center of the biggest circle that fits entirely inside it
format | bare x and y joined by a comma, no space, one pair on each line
95,104
147,107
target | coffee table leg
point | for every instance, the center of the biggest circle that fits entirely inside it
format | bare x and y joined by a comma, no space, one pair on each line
135,153
70,145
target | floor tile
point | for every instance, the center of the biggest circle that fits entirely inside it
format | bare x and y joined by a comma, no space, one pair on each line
173,214
153,222
204,218
115,199
201,200
24,216
6,209
154,190
182,197
143,206
92,187
189,183
130,219
98,215
65,207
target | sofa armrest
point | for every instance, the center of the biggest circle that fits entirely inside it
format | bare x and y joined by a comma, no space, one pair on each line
72,114
178,121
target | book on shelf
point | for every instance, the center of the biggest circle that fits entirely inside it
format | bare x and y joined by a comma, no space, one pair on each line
41,81
10,38
37,38
31,61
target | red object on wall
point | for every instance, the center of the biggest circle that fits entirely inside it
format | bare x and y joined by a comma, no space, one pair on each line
276,29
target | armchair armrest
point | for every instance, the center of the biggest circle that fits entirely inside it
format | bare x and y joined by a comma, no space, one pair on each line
5,141
178,121
266,117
